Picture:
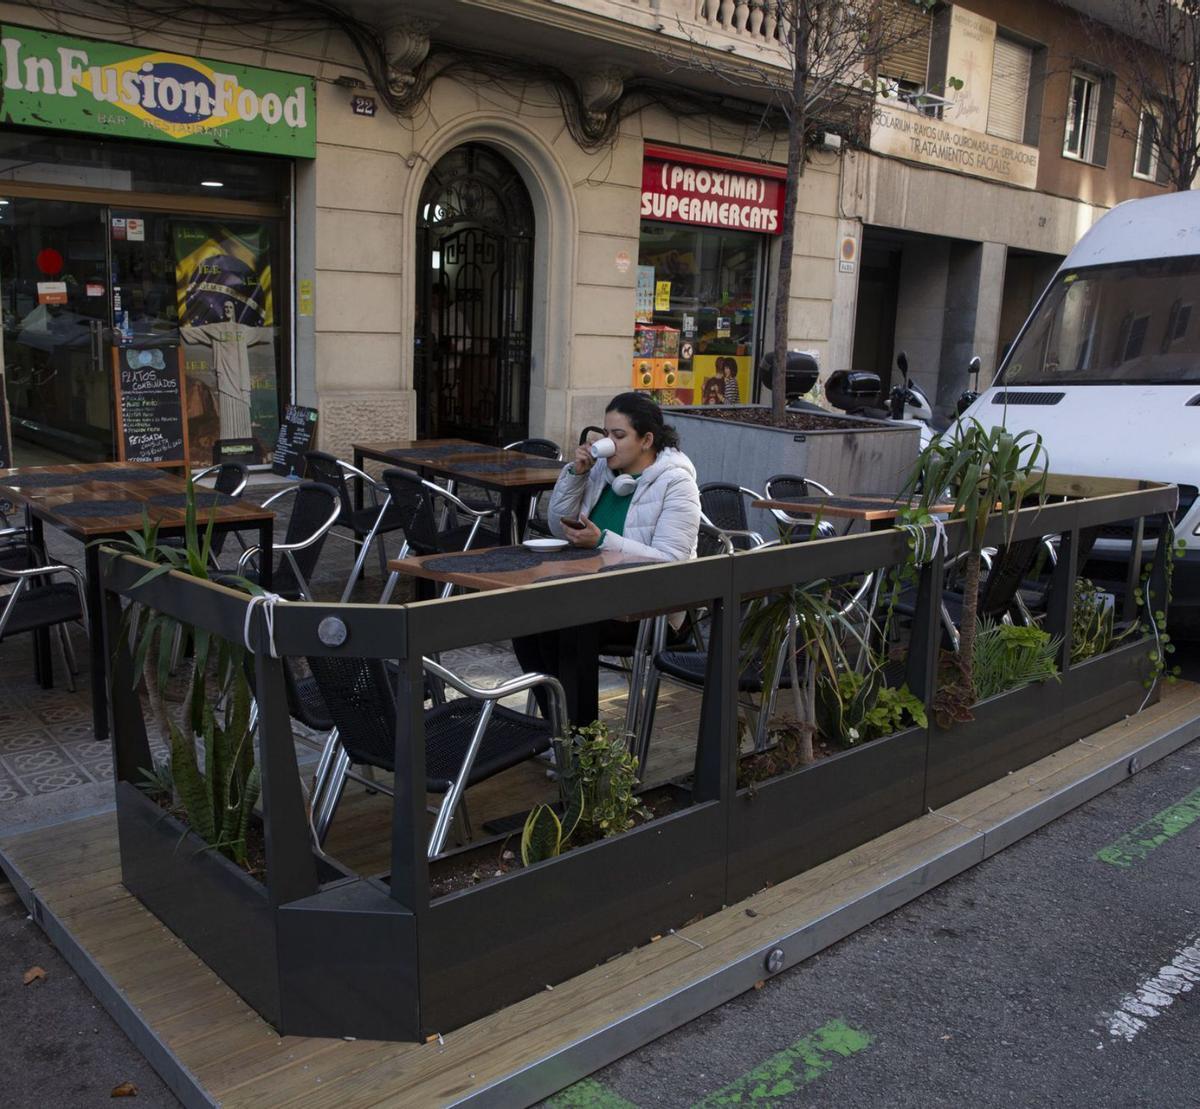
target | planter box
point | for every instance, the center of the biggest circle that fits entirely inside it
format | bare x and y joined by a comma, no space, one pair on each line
505,939
310,968
794,822
848,460
1105,689
1016,728
210,903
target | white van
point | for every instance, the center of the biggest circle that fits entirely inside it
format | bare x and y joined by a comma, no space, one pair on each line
1107,369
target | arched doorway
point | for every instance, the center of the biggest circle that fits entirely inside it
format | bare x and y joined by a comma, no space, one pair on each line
475,230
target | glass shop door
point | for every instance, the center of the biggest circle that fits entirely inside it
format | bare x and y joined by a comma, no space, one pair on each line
54,277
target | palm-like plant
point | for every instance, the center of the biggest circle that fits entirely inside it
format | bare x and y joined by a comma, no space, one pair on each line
981,471
219,798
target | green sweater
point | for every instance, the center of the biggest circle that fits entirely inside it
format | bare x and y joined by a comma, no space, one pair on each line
609,512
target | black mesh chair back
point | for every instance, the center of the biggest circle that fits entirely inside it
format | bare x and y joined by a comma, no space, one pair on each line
1011,566
311,507
786,487
711,542
359,699
414,507
724,505
231,478
322,467
543,448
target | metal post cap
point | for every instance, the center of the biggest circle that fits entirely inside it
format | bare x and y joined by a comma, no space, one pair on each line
332,632
775,960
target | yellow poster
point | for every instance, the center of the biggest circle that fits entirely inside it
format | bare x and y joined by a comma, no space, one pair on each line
662,296
721,378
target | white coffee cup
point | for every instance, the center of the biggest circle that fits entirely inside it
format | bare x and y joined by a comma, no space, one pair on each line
603,448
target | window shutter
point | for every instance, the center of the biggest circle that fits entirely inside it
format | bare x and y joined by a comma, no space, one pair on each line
907,27
1011,66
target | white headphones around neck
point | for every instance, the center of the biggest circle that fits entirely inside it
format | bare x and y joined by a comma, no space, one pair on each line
624,485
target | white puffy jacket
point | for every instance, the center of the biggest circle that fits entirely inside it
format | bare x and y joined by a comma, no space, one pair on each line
664,512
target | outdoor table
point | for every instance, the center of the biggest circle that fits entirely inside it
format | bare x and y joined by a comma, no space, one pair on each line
876,511
104,500
506,567
515,476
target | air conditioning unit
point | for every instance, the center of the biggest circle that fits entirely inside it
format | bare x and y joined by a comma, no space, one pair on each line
827,140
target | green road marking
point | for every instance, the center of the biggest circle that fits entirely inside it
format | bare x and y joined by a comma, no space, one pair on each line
589,1094
1153,833
782,1074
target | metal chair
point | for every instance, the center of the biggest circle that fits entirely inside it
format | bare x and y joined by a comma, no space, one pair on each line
414,500
723,506
366,524
787,487
467,739
315,509
231,479
35,603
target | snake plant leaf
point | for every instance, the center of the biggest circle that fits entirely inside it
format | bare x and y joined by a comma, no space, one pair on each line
542,836
190,784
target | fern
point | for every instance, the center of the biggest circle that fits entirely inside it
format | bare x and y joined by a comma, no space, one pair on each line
1008,657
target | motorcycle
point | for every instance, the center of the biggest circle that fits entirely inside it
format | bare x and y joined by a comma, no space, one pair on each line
860,393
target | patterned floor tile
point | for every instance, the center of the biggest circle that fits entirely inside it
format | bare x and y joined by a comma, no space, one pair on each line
101,771
27,739
87,750
11,789
23,763
50,781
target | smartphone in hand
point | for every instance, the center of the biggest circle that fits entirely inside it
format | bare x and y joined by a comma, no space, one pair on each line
572,522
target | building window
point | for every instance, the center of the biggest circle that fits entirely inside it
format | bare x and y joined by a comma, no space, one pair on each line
1012,66
1145,158
1083,113
904,65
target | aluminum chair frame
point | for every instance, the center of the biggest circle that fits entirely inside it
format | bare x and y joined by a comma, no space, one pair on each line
288,549
824,528
454,503
23,579
333,769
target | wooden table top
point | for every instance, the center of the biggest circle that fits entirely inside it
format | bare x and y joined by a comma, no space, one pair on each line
462,460
91,500
536,566
850,508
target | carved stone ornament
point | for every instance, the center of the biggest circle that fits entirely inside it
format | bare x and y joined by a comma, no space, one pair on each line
406,45
599,89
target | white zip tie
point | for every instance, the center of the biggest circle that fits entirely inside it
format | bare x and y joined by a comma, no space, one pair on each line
268,602
944,816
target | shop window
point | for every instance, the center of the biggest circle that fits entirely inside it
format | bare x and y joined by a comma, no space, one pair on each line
1146,162
698,313
1012,67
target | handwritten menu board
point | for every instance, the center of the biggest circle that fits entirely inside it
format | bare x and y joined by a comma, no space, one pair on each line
150,390
297,434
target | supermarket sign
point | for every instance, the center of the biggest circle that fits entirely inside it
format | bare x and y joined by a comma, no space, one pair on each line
683,186
115,91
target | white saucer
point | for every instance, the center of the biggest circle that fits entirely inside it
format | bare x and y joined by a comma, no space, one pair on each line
545,544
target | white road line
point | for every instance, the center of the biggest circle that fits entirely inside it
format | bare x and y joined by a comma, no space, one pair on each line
1155,993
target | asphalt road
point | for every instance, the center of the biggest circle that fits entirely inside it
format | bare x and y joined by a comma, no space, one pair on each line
1045,976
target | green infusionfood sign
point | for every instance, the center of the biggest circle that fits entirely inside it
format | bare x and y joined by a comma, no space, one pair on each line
117,91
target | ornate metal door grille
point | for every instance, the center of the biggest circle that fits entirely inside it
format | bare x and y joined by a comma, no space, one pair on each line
475,239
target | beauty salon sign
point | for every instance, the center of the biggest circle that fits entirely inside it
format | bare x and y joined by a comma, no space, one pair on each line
116,91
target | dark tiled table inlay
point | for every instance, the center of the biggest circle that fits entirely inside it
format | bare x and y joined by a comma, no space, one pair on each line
499,560
204,499
508,465
444,451
98,510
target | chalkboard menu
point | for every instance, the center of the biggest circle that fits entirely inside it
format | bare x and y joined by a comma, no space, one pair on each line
297,434
150,390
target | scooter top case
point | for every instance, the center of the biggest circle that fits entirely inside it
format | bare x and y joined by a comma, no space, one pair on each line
854,390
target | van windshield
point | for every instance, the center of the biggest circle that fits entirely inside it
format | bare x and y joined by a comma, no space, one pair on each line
1135,323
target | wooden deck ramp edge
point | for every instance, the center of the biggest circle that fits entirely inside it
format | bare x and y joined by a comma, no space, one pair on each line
211,1049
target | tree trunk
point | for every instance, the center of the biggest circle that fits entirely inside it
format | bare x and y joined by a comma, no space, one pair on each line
970,610
797,125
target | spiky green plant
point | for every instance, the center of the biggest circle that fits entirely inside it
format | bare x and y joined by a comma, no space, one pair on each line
1008,656
981,471
217,799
